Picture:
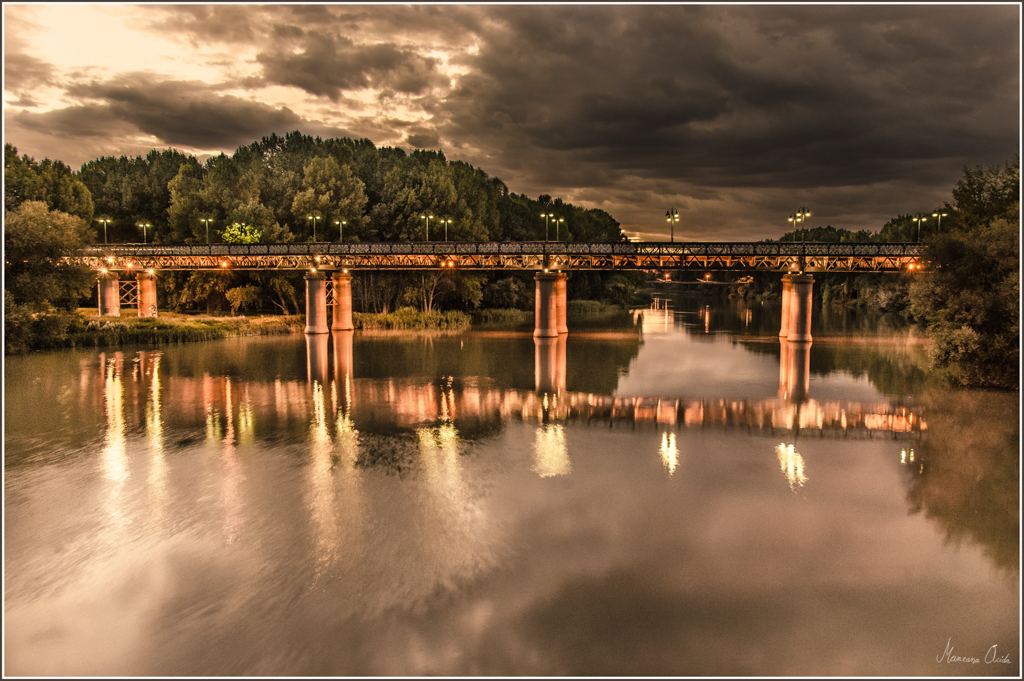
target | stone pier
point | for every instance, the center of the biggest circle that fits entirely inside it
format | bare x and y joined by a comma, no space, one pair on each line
546,309
341,319
316,303
147,294
109,295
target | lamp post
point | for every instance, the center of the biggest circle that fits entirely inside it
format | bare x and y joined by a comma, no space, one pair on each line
144,226
919,219
672,217
104,222
426,231
558,223
546,216
939,214
446,222
800,216
314,218
207,221
341,229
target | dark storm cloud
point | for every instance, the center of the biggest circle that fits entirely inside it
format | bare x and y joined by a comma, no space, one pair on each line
745,96
329,64
183,113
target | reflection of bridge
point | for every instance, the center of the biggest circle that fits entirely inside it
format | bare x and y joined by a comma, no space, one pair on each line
790,412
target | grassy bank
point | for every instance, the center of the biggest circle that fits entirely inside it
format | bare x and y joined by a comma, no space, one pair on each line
87,329
407,318
580,314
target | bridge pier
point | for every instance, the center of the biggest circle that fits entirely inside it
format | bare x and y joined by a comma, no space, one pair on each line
562,302
546,308
787,290
342,315
316,303
147,294
109,295
800,308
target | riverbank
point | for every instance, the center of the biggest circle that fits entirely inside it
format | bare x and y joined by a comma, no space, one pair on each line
85,328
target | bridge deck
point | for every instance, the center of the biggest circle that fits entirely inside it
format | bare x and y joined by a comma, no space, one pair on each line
709,256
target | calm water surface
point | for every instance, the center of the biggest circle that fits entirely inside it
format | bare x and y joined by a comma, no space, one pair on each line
698,500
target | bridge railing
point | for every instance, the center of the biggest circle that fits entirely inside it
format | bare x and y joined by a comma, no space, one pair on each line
532,248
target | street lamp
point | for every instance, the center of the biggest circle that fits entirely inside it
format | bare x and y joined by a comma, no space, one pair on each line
341,229
939,215
446,222
546,216
672,217
800,216
427,229
314,218
144,226
104,222
557,223
207,221
919,219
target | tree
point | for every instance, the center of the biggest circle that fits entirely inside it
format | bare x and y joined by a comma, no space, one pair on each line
36,240
970,300
238,233
331,192
50,182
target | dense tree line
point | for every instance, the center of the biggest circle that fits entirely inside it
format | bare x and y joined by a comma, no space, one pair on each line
282,189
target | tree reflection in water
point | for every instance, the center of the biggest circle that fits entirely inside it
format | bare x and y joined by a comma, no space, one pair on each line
965,475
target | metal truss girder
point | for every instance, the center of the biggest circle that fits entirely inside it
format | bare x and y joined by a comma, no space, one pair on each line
765,257
129,292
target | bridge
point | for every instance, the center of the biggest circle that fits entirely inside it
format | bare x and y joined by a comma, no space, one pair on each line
551,261
530,255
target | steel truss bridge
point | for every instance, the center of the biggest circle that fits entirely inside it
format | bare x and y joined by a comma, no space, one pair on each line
530,255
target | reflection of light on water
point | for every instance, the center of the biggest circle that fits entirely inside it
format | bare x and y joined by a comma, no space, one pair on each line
114,458
550,454
321,487
669,453
232,473
904,458
792,465
155,429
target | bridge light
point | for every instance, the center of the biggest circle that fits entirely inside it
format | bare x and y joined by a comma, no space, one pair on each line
103,270
344,271
223,263
150,270
110,258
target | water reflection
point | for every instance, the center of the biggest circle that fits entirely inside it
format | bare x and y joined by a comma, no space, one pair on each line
549,364
550,454
475,557
669,452
114,456
792,465
157,480
232,475
794,370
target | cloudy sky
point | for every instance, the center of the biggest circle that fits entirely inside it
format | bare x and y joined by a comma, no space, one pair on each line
735,115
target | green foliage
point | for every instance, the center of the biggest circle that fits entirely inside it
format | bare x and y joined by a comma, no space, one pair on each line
238,233
503,319
50,182
970,301
243,297
411,318
508,293
35,241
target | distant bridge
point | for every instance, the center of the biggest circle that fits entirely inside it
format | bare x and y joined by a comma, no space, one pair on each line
529,255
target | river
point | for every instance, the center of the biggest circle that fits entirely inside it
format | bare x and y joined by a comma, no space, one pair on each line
693,500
